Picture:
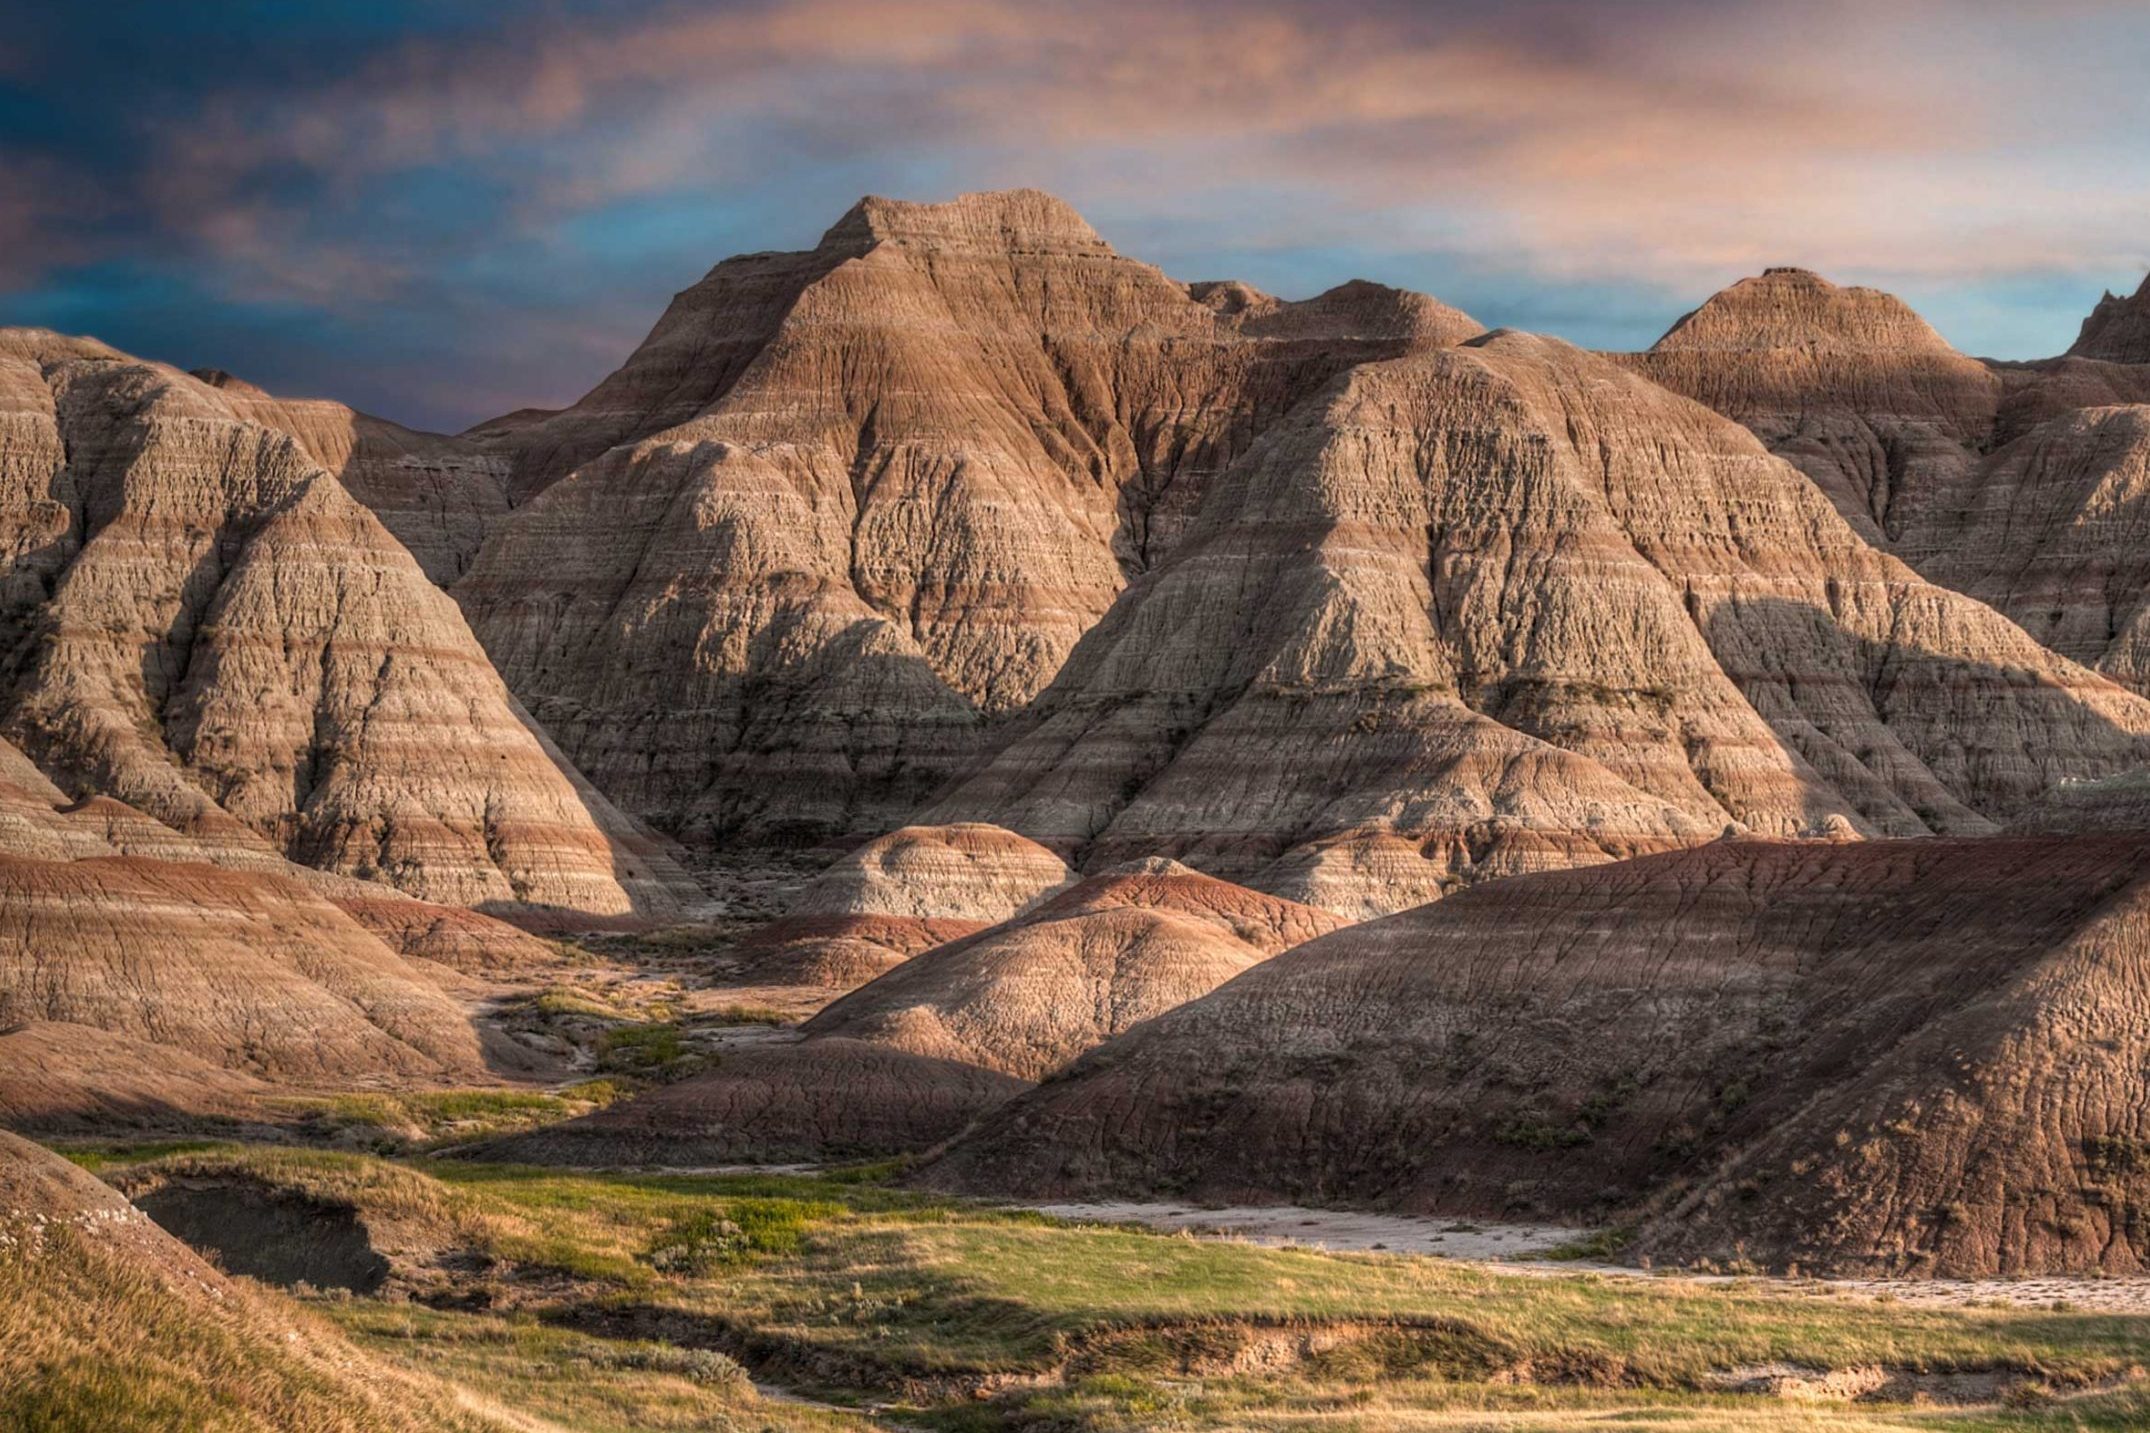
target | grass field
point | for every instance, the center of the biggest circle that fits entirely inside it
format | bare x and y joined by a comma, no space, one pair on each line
956,1316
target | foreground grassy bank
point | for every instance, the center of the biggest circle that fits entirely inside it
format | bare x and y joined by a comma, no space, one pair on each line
605,1301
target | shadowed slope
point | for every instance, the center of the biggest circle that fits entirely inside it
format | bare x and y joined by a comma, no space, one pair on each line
1893,1055
2018,484
775,1102
2118,329
1849,384
438,495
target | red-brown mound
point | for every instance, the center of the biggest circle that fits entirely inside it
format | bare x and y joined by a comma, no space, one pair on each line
253,972
784,1100
1026,997
64,1077
1894,1055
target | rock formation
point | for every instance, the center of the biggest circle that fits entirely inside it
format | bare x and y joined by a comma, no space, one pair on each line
842,507
1916,1056
437,495
910,1060
1503,607
2055,533
897,895
254,972
781,1101
1029,995
130,965
1849,384
972,871
203,624
2014,483
2118,329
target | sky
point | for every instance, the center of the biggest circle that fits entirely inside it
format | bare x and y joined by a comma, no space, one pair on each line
439,210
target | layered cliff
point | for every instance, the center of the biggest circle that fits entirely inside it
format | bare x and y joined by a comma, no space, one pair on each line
1503,607
843,507
1914,1056
202,623
1848,384
2117,330
437,495
2013,483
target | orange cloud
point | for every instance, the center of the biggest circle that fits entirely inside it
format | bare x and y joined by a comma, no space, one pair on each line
1646,142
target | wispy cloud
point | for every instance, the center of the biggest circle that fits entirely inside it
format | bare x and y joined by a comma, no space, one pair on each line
1666,146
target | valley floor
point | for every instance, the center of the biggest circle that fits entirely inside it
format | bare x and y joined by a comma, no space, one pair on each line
839,1299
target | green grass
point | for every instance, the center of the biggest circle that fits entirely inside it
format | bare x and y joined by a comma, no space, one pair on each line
650,1051
748,1015
414,1121
575,1380
878,1287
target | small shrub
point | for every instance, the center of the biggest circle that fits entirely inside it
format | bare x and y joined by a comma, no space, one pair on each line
1535,1131
647,1050
705,1366
698,1245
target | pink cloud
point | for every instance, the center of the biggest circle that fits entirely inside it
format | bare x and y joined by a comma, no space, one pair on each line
1612,141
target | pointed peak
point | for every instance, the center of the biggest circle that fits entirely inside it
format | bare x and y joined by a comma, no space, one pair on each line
2118,329
1232,297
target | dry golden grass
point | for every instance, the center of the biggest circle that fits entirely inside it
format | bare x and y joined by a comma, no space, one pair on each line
96,1339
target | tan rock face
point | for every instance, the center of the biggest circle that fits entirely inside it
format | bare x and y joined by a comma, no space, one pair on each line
967,871
2118,329
2008,482
1504,607
1027,996
206,626
437,495
1849,384
2056,534
253,972
1881,1055
843,506
897,895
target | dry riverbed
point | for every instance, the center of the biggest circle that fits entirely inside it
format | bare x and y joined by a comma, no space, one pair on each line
1542,1248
